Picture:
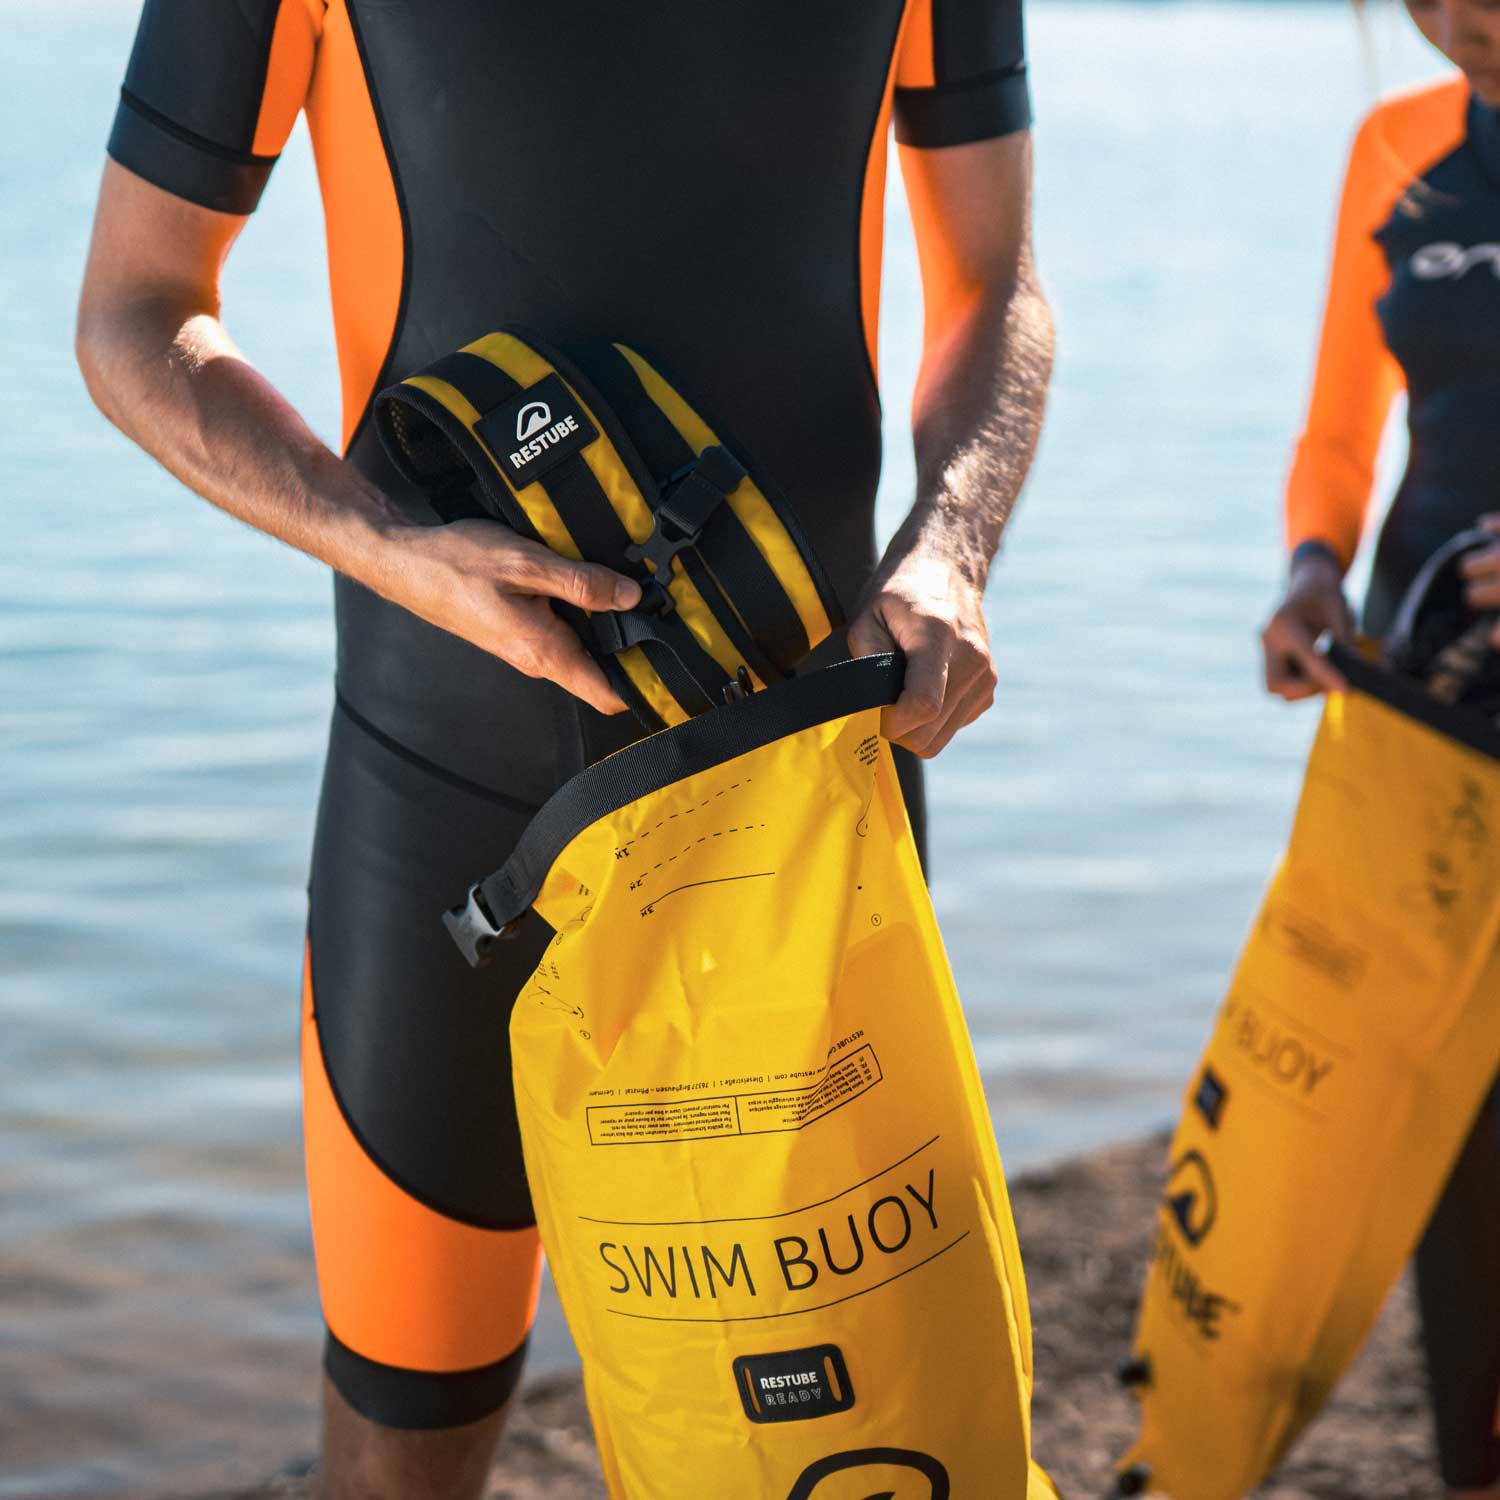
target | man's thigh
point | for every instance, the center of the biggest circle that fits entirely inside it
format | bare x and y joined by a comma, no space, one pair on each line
426,1242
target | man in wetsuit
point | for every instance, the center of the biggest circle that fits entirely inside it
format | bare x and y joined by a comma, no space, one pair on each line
705,182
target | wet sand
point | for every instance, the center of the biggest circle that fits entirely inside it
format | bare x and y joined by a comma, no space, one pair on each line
1083,1230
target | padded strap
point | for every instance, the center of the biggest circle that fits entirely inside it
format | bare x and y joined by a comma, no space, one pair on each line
652,764
572,492
768,614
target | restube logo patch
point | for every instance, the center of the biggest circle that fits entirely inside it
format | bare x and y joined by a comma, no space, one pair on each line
536,430
1191,1197
530,420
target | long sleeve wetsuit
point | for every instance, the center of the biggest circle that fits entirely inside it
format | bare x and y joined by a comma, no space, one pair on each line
1414,301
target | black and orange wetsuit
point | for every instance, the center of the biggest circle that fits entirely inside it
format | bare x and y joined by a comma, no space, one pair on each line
1414,301
702,180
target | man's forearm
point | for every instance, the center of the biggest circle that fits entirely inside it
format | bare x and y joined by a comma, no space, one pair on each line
169,376
978,412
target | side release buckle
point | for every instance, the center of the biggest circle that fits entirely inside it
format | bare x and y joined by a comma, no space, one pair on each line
689,498
474,928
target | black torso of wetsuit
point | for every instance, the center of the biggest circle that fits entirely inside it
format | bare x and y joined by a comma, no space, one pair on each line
700,202
1441,318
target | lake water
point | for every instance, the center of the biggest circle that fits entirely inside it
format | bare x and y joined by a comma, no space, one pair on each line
1100,839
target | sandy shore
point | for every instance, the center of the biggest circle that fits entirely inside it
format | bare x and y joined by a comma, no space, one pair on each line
1083,1232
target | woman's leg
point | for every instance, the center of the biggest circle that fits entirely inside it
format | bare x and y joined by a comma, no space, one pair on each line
1458,1288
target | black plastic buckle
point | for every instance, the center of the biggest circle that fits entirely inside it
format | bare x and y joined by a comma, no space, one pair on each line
656,597
689,498
667,539
474,928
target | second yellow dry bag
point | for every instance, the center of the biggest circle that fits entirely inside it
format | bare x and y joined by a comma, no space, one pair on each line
1359,1035
763,1168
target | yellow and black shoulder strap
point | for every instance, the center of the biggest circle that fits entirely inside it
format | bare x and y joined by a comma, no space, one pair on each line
596,455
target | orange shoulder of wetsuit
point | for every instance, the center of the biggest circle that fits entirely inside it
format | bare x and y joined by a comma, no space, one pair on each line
1356,376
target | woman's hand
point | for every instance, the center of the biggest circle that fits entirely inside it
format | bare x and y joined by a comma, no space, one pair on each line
1314,602
924,606
479,581
1481,573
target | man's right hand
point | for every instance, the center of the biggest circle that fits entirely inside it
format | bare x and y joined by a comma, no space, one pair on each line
480,581
1314,602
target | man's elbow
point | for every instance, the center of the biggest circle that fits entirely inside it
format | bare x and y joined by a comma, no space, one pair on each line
94,338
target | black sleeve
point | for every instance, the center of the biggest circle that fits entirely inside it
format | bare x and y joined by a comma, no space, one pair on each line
961,75
210,95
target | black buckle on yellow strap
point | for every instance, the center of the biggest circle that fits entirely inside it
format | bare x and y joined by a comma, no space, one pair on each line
689,499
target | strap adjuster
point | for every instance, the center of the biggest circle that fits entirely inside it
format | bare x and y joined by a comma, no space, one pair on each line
474,928
689,498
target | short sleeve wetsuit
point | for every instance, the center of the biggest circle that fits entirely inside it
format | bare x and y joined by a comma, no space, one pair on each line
1414,302
702,180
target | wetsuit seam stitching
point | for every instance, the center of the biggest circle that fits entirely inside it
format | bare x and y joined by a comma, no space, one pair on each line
422,763
376,1160
186,137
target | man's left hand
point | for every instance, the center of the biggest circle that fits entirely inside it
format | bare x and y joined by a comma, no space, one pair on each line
923,605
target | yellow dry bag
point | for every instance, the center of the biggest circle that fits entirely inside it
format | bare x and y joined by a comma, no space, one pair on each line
1360,1033
762,1164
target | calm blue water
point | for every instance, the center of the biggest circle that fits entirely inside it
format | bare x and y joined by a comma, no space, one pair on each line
1100,839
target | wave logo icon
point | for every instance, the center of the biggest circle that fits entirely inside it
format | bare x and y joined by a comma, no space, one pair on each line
1191,1197
882,1467
531,418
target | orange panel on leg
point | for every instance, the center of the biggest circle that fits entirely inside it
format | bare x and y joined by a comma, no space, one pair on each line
403,1284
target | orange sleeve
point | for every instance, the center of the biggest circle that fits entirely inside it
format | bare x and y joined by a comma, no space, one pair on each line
1357,377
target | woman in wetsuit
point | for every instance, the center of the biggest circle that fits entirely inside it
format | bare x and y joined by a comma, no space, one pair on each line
1414,302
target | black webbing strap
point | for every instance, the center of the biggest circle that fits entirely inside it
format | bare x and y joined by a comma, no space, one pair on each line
652,764
592,522
698,681
685,508
727,548
743,642
484,385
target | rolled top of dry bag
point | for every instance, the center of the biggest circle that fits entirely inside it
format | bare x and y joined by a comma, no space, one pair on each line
495,904
597,456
